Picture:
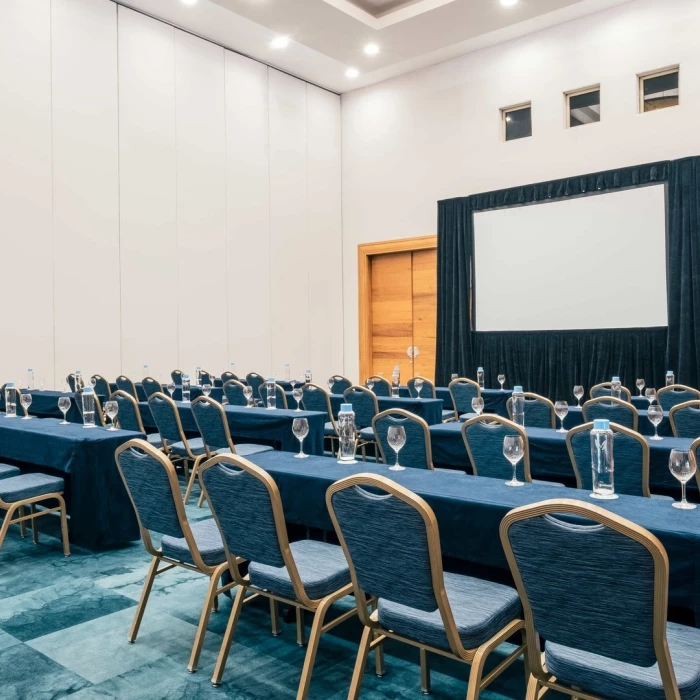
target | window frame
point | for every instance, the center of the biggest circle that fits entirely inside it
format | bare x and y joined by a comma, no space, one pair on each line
575,93
659,73
505,111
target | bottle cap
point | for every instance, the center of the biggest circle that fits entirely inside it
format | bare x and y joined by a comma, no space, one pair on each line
186,376
601,424
308,371
479,369
10,385
30,370
88,390
346,407
616,379
77,371
271,379
669,373
517,390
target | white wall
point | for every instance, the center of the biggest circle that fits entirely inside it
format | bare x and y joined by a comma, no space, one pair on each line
435,133
163,201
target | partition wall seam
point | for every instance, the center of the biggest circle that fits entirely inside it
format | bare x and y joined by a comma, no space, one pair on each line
177,219
53,227
306,211
269,216
119,204
228,301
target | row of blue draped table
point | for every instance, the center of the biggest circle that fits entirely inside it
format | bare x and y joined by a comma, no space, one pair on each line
469,510
644,425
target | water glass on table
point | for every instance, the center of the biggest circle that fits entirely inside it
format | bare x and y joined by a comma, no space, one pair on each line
206,389
370,384
248,393
26,401
561,408
640,385
655,414
478,405
513,451
300,428
298,395
683,466
396,437
418,386
64,405
578,395
331,384
502,380
171,389
111,409
651,395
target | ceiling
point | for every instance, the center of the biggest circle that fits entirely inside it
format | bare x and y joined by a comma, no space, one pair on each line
328,36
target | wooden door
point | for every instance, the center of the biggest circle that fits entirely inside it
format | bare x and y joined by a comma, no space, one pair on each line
424,312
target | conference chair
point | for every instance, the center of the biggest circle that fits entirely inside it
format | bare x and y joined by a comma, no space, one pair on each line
417,452
413,600
151,482
604,389
227,376
608,637
279,393
102,387
205,378
382,386
255,381
78,398
694,449
72,382
539,411
615,410
428,391
210,417
125,384
308,575
129,417
20,409
685,419
150,386
462,391
233,390
315,398
176,376
670,396
631,452
339,384
365,406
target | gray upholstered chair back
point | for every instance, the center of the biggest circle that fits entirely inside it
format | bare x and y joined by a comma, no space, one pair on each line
101,385
242,505
148,483
615,410
227,376
340,384
205,378
255,381
166,417
604,389
211,421
462,392
381,387
176,376
128,414
539,411
676,394
685,419
427,391
279,392
630,454
483,438
150,386
417,452
125,384
608,612
234,393
364,404
71,382
316,399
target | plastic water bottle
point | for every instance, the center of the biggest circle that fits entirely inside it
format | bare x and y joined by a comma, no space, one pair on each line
10,400
395,383
307,376
186,388
271,394
287,373
78,380
602,461
518,406
88,399
670,378
30,379
145,370
397,372
346,434
198,376
616,388
232,368
480,377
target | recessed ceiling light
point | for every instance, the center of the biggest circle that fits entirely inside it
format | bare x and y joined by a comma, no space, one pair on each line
352,73
371,49
188,2
280,42
509,3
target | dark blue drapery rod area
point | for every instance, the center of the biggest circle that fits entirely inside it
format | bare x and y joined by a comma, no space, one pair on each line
551,362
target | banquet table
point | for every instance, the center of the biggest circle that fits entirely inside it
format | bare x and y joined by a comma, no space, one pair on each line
645,427
494,399
469,510
428,409
217,393
45,405
256,425
101,514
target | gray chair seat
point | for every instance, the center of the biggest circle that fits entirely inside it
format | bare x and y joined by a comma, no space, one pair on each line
446,413
599,675
154,439
19,488
208,540
245,450
367,434
196,445
467,416
329,430
6,471
322,568
480,608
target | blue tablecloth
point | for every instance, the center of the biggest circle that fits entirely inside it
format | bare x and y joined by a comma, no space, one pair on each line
428,409
645,427
257,425
494,399
45,405
101,514
469,511
217,393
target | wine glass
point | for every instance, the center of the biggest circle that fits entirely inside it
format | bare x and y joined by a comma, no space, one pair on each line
513,451
298,395
418,385
650,394
331,384
293,382
478,405
578,394
640,385
93,381
111,409
502,380
370,384
206,389
26,401
171,388
655,414
561,408
683,466
64,405
300,428
396,437
248,393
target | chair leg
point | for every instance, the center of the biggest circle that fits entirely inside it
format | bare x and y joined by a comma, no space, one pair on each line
35,531
141,607
359,670
533,689
301,630
192,479
204,617
274,618
23,524
314,639
424,672
379,668
64,526
228,636
6,523
200,500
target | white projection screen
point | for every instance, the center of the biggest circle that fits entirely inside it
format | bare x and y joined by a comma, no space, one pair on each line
589,262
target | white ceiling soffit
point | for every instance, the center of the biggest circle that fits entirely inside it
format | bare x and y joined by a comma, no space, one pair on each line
327,39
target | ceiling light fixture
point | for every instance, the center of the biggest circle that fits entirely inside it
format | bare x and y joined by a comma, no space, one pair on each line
280,42
352,73
371,49
509,3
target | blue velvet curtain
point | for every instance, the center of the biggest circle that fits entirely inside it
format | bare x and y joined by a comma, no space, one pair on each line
551,362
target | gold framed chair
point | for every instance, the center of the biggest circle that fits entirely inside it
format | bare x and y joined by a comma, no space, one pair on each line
462,391
150,386
366,407
279,393
233,390
417,453
685,419
125,384
615,410
176,376
337,384
605,389
316,398
539,411
102,387
255,381
675,394
419,612
129,417
382,386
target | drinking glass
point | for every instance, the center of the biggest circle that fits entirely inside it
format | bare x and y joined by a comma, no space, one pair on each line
298,394
248,393
64,405
502,380
206,389
418,385
655,414
292,382
513,451
93,381
454,376
477,405
578,394
171,388
26,401
300,428
640,385
396,437
111,409
650,394
370,384
331,383
561,408
683,466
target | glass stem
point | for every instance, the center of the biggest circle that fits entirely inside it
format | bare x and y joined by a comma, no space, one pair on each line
656,430
515,472
683,491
